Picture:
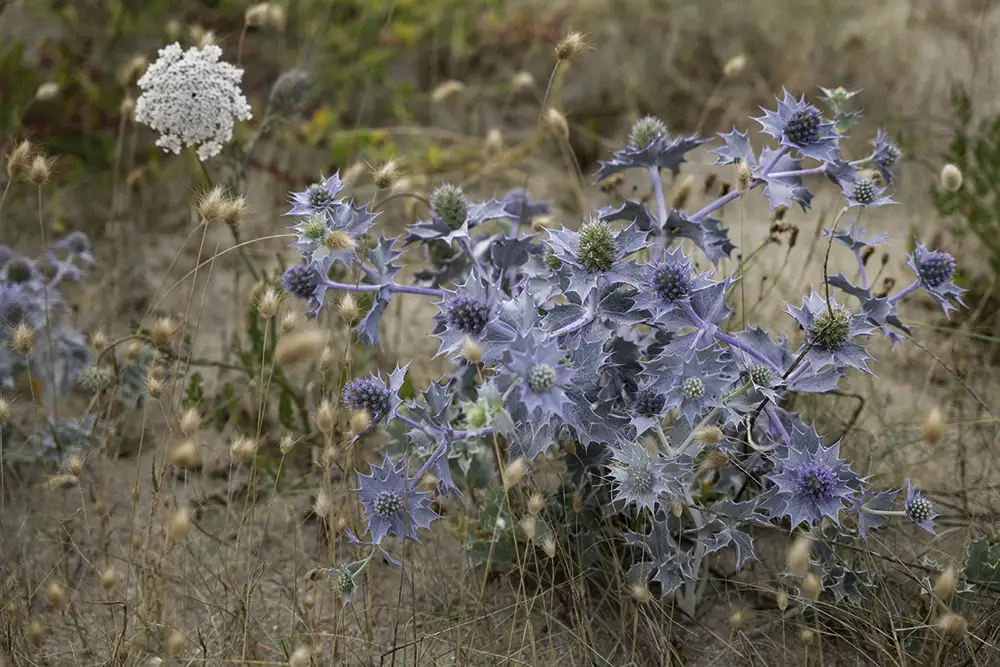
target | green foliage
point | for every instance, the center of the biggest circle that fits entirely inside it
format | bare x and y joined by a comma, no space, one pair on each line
982,563
975,150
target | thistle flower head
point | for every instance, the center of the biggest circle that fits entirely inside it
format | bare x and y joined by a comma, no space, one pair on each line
316,198
812,481
692,389
392,503
648,403
192,99
537,364
864,191
886,155
301,280
831,328
671,280
448,203
761,375
467,314
596,250
799,125
935,268
803,125
919,509
640,478
367,394
645,131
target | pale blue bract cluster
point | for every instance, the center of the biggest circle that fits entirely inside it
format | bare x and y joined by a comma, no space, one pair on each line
607,334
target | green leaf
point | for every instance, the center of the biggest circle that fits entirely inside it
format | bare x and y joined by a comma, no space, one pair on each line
982,563
194,395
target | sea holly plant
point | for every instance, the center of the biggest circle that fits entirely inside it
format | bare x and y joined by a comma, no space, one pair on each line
603,343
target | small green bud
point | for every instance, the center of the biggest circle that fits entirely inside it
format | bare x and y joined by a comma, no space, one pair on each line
314,229
596,250
476,417
448,203
645,131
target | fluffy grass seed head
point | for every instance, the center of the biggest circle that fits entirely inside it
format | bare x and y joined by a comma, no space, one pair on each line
447,90
549,547
522,81
22,339
243,448
570,46
36,633
109,578
301,657
812,586
798,555
267,304
174,642
946,584
952,624
360,421
556,121
4,410
493,143
348,309
951,178
19,159
514,472
179,524
186,455
933,426
47,91
163,332
190,421
385,175
40,170
192,98
325,418
536,502
640,593
734,66
299,346
56,595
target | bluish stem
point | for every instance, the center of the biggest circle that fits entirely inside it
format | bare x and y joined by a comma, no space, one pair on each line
392,287
798,173
776,423
718,203
906,290
661,203
464,242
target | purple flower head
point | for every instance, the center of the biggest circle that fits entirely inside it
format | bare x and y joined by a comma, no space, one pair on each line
886,155
537,363
639,478
812,481
935,270
668,284
692,385
77,243
467,313
830,331
800,125
919,509
392,505
333,235
317,198
22,302
862,191
647,409
374,395
597,253
301,280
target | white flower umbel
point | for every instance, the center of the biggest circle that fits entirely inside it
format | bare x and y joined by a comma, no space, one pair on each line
192,99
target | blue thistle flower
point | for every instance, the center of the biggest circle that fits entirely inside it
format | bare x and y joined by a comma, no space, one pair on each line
392,505
369,394
372,393
317,198
886,155
860,191
639,478
935,270
596,253
812,481
671,280
919,509
301,280
468,313
333,235
544,378
691,385
830,332
801,126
